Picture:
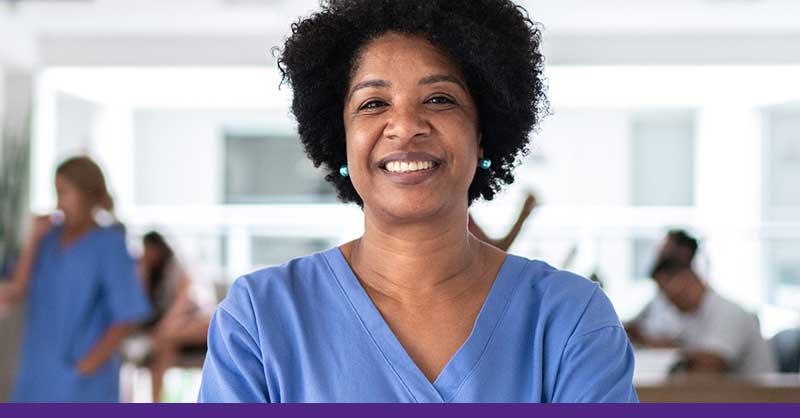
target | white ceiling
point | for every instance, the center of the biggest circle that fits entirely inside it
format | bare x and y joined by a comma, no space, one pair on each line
272,17
240,32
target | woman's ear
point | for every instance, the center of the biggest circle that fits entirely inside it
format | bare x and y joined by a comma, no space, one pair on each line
480,148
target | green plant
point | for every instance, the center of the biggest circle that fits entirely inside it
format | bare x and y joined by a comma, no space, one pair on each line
14,174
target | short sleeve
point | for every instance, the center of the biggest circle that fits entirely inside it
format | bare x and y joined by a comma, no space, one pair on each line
597,362
120,282
233,370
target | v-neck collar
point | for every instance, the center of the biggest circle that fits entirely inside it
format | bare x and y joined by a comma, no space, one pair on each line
83,236
465,359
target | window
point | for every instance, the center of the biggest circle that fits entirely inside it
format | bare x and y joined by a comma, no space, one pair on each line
271,169
662,153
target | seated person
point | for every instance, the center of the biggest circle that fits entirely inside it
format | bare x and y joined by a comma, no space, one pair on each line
178,323
715,334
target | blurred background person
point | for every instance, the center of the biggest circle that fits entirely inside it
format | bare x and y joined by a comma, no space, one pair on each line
178,323
82,292
505,242
714,334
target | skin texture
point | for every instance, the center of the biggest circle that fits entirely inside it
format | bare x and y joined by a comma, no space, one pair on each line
408,114
427,275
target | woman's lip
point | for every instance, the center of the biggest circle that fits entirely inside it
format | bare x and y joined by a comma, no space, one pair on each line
409,156
408,178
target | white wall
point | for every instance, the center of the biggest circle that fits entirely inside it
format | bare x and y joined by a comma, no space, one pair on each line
662,156
179,153
75,125
587,149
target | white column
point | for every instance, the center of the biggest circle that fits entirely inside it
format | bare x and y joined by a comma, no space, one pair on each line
728,199
112,144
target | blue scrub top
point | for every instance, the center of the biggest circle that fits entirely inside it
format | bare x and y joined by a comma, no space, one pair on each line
75,294
306,331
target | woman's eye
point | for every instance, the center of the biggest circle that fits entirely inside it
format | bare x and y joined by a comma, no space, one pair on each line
372,104
440,100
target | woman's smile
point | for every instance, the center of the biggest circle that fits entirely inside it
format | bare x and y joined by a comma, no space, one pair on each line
409,168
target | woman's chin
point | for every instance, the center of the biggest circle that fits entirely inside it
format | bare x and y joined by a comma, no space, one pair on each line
409,210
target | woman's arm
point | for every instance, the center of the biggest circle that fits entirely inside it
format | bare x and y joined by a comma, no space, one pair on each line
505,242
705,362
183,302
527,207
105,347
14,290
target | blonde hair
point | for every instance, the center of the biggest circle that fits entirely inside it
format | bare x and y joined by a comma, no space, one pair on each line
87,177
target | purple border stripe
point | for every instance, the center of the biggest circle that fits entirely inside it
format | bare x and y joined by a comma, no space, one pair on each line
400,410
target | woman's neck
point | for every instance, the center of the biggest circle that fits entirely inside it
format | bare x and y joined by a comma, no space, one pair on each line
418,263
74,228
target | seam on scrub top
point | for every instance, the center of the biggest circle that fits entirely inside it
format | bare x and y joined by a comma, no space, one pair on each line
598,329
259,351
366,329
255,342
511,294
571,334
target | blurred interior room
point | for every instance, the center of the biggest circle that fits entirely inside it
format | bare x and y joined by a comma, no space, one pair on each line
679,114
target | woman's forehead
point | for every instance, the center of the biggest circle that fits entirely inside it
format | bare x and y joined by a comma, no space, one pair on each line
402,54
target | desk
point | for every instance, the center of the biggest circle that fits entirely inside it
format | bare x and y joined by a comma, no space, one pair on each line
706,388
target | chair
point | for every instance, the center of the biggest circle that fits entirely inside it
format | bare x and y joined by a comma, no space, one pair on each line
786,346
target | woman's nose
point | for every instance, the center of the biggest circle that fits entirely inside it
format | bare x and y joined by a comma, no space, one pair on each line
407,123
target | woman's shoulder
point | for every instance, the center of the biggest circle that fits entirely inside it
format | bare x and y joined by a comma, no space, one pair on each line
277,285
547,280
112,232
567,295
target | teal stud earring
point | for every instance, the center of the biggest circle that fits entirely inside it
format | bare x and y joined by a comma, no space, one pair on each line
484,163
343,171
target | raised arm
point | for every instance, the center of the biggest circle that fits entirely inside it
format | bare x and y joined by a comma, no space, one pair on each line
505,242
14,290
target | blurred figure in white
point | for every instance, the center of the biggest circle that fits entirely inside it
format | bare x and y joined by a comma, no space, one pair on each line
714,334
178,324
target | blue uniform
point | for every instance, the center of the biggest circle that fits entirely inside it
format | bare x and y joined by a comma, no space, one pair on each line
75,294
307,331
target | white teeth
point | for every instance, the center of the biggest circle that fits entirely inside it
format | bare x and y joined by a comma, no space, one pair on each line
408,166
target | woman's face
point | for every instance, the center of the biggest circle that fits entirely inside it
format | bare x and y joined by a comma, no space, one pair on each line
71,200
412,130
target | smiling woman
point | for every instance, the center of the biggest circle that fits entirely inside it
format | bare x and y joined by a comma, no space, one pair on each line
416,109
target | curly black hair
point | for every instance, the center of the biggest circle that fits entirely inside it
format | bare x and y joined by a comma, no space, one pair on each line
493,42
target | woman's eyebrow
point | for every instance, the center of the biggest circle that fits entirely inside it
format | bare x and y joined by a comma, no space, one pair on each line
438,78
368,83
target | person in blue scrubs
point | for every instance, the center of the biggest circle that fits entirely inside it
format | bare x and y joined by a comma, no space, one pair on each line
83,296
415,109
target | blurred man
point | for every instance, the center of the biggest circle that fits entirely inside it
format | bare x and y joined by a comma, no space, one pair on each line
715,334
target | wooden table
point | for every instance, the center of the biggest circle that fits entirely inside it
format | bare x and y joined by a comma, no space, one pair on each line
704,388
